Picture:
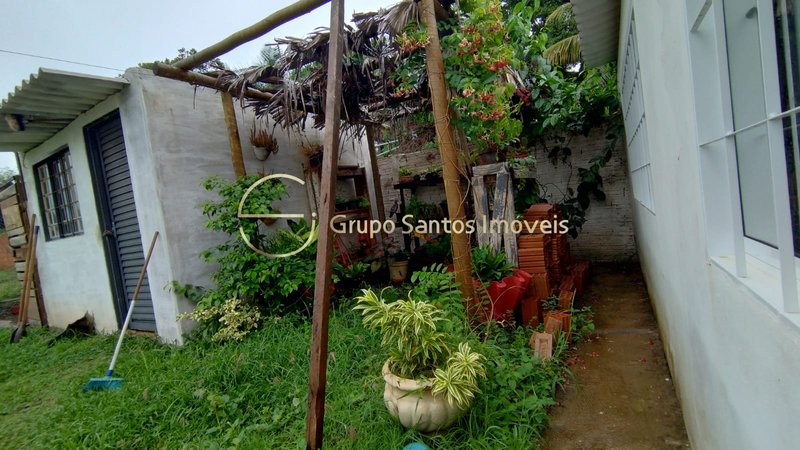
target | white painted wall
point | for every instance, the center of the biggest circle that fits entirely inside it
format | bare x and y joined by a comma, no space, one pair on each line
175,138
735,359
73,270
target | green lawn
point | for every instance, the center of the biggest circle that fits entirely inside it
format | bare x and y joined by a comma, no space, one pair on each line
9,285
248,395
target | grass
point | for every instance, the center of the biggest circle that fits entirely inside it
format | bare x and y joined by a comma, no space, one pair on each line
248,395
9,285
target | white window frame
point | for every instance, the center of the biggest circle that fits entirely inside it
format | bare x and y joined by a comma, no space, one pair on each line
630,87
746,250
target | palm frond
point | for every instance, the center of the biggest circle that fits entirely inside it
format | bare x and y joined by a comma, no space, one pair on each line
564,52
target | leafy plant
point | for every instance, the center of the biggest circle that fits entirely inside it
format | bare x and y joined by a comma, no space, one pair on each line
404,172
550,303
582,323
418,350
478,58
265,285
490,266
236,319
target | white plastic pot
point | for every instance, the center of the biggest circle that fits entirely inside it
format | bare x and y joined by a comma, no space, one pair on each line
412,403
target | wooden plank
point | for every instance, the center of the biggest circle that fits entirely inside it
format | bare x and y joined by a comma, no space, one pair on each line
499,210
12,216
481,209
9,202
510,237
489,169
10,191
376,175
237,159
322,282
11,232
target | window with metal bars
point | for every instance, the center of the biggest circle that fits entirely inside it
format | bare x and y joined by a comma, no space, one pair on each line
59,203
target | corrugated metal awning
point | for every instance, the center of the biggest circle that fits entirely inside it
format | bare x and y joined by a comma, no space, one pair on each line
598,25
48,102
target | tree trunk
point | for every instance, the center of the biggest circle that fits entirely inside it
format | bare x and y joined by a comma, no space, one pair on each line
462,257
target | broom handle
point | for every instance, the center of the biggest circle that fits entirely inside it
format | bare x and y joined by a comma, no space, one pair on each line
130,307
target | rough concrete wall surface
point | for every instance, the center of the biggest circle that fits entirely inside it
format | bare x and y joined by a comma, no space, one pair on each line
607,234
184,141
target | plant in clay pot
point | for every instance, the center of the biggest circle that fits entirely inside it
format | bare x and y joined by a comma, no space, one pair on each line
503,286
405,175
428,385
398,261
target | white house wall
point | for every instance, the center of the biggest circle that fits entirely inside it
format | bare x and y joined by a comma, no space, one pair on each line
73,271
734,358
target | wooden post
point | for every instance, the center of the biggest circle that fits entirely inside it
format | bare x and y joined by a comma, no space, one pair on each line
376,178
462,256
237,159
322,283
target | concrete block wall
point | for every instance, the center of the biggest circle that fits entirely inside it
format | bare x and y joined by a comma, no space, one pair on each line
607,234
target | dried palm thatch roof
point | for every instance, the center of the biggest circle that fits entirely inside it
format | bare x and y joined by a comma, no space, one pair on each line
297,80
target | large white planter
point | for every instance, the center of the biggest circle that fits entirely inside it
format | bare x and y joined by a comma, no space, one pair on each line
411,402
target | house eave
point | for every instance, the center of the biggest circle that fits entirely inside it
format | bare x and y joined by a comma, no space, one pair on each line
47,102
598,27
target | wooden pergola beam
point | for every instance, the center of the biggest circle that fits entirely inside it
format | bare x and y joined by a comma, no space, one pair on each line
167,71
254,31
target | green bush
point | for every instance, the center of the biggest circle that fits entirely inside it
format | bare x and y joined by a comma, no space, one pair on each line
259,283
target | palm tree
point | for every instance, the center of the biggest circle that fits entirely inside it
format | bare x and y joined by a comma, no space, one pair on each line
567,51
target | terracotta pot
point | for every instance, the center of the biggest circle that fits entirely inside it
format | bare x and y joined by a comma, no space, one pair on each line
398,271
405,179
505,295
412,403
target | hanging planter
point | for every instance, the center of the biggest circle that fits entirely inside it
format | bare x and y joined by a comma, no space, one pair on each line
263,143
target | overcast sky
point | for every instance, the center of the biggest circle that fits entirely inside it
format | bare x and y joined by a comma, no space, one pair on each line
121,34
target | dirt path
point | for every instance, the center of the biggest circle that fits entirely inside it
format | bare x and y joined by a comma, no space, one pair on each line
623,396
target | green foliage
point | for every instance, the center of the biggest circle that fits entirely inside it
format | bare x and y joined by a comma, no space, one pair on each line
550,303
582,323
259,283
439,249
253,394
478,58
418,350
421,210
489,266
235,318
9,284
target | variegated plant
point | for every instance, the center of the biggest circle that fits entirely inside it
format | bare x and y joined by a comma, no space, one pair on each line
417,350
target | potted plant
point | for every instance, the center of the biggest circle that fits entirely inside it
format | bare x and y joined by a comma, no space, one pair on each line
428,386
313,152
398,262
503,285
405,175
263,143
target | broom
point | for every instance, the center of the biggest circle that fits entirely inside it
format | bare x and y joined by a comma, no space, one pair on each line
109,382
